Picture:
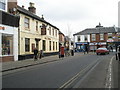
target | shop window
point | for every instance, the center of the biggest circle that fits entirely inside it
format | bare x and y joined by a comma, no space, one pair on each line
27,44
7,44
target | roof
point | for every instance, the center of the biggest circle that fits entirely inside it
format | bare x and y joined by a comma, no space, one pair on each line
98,30
26,12
61,33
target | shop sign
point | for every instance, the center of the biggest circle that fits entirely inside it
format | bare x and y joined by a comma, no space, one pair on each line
2,28
110,40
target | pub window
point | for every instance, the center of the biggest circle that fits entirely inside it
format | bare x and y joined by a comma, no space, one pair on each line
7,44
26,22
2,4
44,45
27,44
56,45
56,33
36,26
93,37
53,32
53,46
50,45
49,30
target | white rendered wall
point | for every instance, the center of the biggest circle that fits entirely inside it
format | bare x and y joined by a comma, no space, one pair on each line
12,31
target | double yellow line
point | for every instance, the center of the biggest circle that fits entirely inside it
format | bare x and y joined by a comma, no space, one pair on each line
69,82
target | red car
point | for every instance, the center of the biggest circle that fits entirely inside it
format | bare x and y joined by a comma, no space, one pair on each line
102,51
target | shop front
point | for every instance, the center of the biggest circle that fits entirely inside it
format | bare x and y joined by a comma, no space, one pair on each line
96,45
80,46
8,43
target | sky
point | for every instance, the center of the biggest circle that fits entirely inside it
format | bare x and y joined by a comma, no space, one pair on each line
72,16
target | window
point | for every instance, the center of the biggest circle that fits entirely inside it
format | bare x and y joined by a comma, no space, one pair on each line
53,46
27,44
44,45
93,37
56,45
86,38
2,4
7,44
56,33
36,26
50,45
101,36
49,30
26,22
78,38
53,32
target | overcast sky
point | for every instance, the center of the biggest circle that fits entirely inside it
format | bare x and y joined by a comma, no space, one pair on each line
72,16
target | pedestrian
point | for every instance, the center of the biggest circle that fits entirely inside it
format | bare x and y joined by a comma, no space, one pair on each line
35,54
72,52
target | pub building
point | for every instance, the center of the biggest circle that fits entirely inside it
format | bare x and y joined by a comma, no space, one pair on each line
8,37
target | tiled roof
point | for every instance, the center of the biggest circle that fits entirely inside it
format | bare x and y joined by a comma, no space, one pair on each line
98,30
26,12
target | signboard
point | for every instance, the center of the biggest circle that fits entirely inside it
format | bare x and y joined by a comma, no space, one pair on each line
110,40
2,28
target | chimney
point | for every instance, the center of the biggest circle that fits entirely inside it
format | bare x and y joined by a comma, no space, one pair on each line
31,8
12,6
23,6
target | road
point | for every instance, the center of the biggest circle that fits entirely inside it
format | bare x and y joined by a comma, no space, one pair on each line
80,71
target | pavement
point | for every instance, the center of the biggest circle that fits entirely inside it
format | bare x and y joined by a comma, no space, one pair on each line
12,65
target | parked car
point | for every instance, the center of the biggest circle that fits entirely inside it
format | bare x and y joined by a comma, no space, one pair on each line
102,51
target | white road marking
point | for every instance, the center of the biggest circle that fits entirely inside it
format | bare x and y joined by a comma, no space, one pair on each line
109,75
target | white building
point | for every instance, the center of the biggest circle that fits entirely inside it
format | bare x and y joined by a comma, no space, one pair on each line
81,39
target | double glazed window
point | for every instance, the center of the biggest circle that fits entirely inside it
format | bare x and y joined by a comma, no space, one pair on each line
26,22
2,4
27,44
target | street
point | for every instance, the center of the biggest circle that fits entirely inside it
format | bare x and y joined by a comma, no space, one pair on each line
79,71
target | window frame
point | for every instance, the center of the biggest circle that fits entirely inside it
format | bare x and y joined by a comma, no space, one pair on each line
27,23
93,37
27,45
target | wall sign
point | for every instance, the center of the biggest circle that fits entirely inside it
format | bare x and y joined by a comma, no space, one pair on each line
2,28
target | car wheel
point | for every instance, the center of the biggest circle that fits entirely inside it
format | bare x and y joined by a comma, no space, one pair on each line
97,53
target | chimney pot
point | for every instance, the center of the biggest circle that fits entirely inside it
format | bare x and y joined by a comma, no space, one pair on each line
23,6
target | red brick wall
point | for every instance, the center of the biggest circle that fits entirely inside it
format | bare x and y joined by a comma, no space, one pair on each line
7,58
11,4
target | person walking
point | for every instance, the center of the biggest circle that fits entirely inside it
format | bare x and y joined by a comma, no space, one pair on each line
35,54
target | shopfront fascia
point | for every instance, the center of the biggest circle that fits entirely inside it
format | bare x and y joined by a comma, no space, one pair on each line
81,45
95,45
8,43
